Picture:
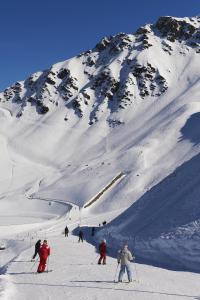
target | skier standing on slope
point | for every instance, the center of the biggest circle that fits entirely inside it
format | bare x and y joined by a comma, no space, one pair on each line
80,236
124,257
102,251
66,231
37,248
44,252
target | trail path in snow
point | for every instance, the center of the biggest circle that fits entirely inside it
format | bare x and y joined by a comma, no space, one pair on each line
76,275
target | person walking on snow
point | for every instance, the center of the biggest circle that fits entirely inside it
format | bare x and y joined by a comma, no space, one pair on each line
37,248
102,251
66,231
80,236
124,257
44,252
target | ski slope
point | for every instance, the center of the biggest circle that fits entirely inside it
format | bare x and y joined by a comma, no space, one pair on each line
75,274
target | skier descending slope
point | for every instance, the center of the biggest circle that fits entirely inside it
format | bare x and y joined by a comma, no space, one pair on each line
124,257
102,251
44,252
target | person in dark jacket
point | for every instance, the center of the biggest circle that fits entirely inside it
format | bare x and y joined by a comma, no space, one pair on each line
80,236
37,248
102,251
44,252
66,231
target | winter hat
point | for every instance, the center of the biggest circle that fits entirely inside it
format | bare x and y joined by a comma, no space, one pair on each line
104,240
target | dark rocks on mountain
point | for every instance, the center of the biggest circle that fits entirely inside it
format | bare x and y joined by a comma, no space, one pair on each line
50,81
114,44
85,95
84,53
148,79
43,109
8,94
63,73
77,107
114,123
68,86
19,114
16,87
142,30
103,43
174,29
146,43
166,47
90,61
29,81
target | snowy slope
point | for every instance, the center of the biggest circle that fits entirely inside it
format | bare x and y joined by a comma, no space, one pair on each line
129,105
78,276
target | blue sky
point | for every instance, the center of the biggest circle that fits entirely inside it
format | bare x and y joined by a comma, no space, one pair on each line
38,33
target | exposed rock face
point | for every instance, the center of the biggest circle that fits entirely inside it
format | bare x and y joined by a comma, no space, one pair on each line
111,76
174,29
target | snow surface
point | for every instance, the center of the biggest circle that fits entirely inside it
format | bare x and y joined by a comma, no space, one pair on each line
75,274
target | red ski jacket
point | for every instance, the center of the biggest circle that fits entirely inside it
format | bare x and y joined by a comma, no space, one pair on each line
102,247
44,251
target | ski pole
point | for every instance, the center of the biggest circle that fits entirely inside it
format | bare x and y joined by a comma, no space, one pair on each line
34,264
116,272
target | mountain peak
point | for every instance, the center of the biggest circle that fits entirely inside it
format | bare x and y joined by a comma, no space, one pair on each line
117,72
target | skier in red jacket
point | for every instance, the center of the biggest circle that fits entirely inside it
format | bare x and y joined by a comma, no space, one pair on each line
44,252
102,251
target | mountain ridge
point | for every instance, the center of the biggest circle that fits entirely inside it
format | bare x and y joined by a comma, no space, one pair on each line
111,76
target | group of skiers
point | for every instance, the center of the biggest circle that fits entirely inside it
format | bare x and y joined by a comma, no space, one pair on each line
124,256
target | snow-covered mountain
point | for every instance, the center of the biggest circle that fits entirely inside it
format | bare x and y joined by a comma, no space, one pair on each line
129,106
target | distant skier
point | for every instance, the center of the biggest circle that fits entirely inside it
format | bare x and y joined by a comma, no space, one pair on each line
66,231
37,248
80,236
93,231
102,251
44,252
124,257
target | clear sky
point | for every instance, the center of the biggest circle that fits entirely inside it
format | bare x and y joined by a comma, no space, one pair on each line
38,33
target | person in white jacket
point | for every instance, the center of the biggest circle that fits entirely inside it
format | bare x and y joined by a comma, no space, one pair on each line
124,257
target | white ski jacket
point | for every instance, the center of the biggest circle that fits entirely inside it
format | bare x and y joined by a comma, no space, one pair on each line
124,257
